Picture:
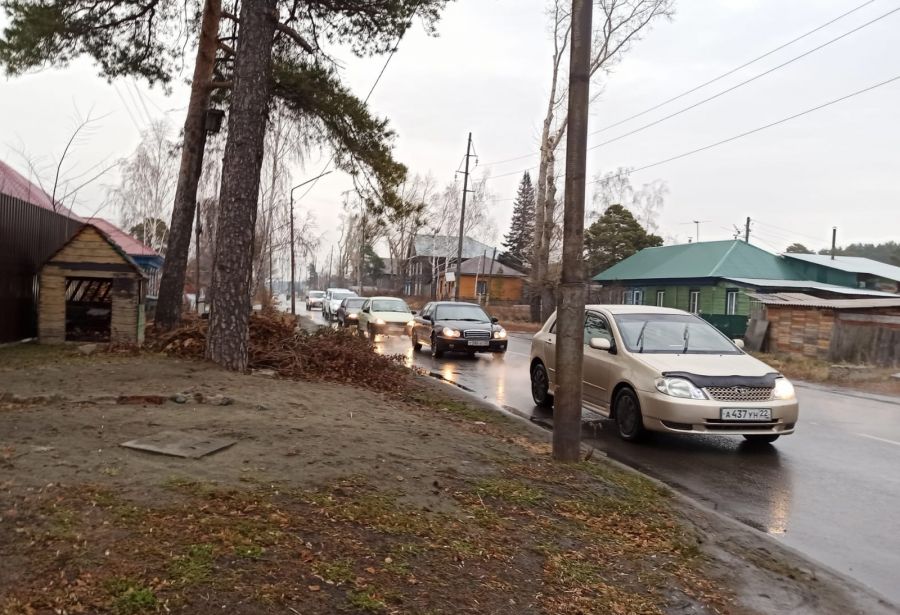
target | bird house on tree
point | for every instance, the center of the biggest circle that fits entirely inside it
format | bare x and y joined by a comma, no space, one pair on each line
91,291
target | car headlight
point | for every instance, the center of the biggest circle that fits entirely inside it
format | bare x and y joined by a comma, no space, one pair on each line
500,334
679,387
379,321
353,316
448,332
783,390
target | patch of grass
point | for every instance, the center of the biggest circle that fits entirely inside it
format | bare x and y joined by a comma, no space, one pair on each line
191,487
130,597
366,601
511,491
338,572
457,408
249,551
397,566
573,570
193,567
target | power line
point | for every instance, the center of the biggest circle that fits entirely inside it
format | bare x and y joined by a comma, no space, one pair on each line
742,83
754,130
786,230
711,81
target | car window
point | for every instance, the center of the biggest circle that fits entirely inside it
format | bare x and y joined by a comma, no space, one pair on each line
389,305
426,311
353,302
342,294
460,311
672,334
552,328
596,326
316,293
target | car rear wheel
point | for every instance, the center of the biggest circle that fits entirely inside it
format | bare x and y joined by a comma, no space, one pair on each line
416,344
436,351
629,420
540,386
762,438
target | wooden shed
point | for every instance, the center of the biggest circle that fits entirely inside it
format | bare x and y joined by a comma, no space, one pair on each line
91,291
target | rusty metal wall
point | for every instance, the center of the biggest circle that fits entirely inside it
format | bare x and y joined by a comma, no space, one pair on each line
28,236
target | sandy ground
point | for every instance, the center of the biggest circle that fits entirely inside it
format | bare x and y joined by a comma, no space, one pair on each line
454,492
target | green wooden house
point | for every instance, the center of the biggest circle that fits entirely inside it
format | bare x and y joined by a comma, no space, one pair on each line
712,279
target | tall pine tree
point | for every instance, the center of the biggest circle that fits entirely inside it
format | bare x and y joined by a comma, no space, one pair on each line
521,228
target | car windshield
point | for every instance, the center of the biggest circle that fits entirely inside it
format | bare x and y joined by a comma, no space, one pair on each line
389,305
672,334
354,302
461,312
342,295
317,294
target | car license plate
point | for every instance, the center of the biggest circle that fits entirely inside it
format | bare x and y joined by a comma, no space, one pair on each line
746,414
479,343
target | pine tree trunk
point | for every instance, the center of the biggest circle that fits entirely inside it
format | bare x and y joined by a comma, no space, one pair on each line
171,289
230,309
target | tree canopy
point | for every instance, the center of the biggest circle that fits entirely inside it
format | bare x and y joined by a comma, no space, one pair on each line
887,252
798,248
521,228
613,237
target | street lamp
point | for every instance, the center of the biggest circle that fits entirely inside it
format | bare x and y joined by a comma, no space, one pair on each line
293,262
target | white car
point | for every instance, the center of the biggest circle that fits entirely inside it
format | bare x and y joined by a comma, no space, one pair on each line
333,298
384,315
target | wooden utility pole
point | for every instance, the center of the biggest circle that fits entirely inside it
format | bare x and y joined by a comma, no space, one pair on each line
462,220
490,275
747,230
833,241
570,318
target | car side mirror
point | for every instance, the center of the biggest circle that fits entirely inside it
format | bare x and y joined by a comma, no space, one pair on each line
495,320
739,343
600,343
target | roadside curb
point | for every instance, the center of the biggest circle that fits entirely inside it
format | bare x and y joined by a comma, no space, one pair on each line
837,390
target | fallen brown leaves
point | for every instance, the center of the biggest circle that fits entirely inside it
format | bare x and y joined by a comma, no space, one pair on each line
277,344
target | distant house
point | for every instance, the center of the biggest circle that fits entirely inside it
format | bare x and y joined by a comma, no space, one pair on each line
863,272
148,259
431,255
483,279
714,279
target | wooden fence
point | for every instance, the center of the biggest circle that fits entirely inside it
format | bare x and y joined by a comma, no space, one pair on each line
872,339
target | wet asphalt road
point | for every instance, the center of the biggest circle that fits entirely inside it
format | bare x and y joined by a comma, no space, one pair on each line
831,490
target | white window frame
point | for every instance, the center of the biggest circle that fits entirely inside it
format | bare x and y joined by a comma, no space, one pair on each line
660,298
694,302
628,297
731,302
637,297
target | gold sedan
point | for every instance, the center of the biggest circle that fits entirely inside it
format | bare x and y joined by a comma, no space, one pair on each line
661,369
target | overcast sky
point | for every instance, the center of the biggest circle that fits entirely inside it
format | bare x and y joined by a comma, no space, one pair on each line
488,71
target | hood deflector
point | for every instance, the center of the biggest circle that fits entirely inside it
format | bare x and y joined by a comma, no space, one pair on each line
702,382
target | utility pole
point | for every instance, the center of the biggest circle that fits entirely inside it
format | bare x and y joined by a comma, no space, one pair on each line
462,219
487,300
330,255
747,231
197,231
833,241
361,258
293,262
570,318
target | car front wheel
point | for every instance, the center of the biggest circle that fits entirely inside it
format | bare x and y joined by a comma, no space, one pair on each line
436,351
540,386
629,420
416,344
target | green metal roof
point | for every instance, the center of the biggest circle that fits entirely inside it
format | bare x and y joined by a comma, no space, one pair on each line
708,259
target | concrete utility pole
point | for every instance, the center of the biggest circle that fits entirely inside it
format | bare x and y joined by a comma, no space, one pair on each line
293,260
747,231
462,220
570,314
833,241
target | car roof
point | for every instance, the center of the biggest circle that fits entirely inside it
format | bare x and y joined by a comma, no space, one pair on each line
634,309
386,297
336,288
454,303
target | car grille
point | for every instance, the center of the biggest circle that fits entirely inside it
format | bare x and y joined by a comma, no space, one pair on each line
477,334
740,393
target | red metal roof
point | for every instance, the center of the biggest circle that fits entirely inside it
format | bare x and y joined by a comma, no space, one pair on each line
17,186
129,244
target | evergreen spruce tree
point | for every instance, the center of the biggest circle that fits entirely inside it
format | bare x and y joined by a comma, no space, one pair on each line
521,228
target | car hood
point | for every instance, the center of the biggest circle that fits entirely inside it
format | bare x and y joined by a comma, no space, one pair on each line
706,364
464,324
403,317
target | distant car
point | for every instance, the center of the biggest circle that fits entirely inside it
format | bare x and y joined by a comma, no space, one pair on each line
332,301
660,369
461,327
314,299
348,312
384,315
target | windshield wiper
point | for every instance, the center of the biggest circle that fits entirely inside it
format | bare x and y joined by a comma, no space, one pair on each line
687,338
468,319
640,339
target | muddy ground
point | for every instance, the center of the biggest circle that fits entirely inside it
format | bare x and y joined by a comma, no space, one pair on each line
337,499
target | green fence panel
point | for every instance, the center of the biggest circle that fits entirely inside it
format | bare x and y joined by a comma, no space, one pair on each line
732,325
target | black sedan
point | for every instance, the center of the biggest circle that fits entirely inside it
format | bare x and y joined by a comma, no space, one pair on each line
348,313
461,327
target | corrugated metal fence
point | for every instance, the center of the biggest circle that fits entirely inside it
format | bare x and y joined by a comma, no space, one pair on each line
28,236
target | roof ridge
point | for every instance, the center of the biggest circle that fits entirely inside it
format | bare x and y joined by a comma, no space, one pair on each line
728,252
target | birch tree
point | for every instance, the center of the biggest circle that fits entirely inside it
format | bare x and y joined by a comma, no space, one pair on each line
619,24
